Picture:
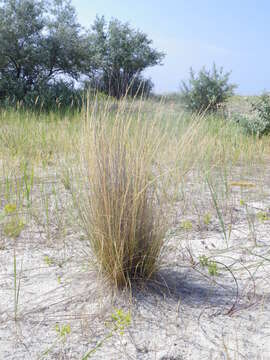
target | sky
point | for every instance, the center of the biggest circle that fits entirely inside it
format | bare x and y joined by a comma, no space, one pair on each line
196,33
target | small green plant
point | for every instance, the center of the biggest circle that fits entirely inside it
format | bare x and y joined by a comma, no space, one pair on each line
263,216
13,228
62,330
212,268
207,219
186,225
13,225
119,322
210,264
207,91
203,260
10,208
48,260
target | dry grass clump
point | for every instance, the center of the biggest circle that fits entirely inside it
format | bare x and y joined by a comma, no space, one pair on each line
122,209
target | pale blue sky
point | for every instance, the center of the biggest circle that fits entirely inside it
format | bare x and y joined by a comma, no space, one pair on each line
233,34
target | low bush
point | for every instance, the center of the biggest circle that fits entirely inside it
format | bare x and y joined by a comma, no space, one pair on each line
258,122
251,124
262,109
207,91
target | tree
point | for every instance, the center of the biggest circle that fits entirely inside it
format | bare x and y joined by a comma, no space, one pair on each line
120,55
39,40
207,90
44,50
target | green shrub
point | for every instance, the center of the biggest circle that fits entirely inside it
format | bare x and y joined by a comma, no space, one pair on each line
252,124
207,90
262,109
258,122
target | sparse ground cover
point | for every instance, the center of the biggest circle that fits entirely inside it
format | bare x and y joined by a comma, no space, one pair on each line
210,297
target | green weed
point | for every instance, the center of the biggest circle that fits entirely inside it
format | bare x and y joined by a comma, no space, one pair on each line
186,225
210,264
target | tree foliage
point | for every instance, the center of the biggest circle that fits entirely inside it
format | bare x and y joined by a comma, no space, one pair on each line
38,41
42,45
121,54
207,90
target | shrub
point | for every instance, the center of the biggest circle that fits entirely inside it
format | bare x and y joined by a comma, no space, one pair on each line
120,207
262,109
258,122
207,90
251,124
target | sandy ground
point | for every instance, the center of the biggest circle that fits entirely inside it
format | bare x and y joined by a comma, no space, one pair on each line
184,313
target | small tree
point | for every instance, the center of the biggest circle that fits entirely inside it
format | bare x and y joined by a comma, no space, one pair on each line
120,54
207,90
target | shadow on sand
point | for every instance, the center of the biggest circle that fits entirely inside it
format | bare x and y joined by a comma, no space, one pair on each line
190,288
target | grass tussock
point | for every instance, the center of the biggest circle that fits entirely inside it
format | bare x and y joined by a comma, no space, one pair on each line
122,210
